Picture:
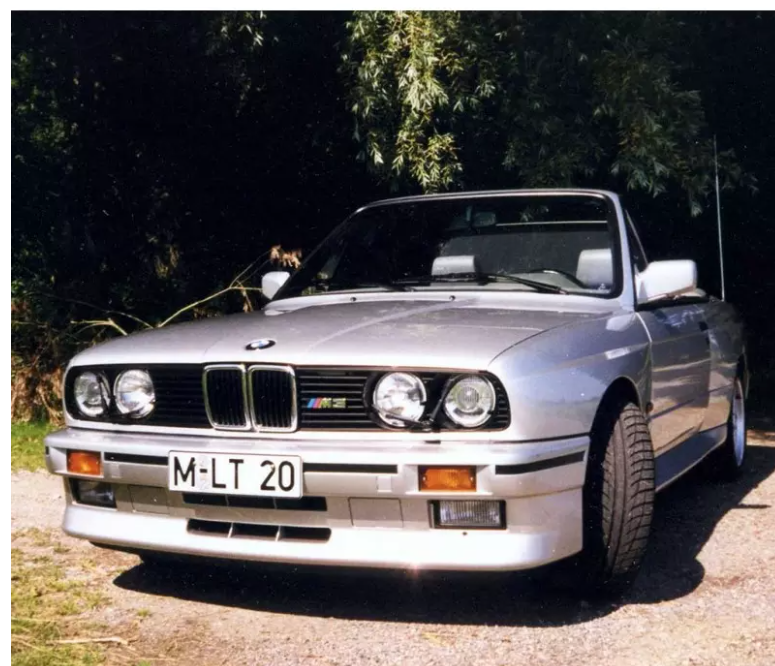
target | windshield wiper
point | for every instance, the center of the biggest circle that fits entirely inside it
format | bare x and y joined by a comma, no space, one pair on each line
483,278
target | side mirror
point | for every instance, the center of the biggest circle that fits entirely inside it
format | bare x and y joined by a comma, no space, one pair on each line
272,281
664,279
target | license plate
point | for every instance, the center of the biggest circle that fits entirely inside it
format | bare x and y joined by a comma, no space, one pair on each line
235,474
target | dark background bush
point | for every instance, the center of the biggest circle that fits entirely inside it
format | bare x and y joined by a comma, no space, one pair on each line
156,155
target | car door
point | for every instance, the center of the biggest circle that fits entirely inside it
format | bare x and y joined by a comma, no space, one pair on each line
680,359
680,377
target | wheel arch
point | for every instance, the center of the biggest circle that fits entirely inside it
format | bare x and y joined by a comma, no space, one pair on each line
743,372
622,388
619,391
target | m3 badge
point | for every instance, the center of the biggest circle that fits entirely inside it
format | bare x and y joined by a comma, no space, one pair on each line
327,403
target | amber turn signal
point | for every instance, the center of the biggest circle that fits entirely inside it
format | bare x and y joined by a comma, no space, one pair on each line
448,478
84,462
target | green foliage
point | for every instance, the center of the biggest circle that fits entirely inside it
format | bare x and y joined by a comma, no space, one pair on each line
397,63
27,445
156,155
553,99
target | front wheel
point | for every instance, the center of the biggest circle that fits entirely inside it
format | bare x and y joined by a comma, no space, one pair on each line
618,500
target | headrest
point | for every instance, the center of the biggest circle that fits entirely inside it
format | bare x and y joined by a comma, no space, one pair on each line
596,268
460,263
476,221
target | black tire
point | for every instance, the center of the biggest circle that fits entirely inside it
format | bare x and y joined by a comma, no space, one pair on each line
618,501
727,461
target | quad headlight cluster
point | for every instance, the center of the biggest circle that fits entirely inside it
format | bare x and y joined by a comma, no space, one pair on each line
132,394
400,399
394,399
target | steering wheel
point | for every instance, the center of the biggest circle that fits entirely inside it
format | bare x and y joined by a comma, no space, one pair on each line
556,271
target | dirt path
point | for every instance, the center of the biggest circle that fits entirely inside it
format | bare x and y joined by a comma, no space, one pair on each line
706,596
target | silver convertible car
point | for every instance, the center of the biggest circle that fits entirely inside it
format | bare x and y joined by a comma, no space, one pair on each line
475,381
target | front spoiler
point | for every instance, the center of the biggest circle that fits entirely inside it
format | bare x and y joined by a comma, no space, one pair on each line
540,483
457,550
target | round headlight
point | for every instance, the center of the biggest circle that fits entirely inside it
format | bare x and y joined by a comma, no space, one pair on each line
91,394
470,401
134,393
399,394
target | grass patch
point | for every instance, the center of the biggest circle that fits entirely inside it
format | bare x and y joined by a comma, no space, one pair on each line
45,607
27,445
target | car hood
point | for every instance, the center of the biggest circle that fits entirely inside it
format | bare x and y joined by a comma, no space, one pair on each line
464,333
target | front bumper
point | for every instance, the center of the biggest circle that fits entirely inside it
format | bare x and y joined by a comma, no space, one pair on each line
373,513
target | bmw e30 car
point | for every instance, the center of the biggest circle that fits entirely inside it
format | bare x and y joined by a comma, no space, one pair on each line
473,381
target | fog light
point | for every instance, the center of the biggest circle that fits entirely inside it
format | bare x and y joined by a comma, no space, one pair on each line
84,462
470,514
448,478
96,493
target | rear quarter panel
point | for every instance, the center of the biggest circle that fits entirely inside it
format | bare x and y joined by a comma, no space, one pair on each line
726,333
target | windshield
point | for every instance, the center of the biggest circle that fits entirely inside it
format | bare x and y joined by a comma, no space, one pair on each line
545,243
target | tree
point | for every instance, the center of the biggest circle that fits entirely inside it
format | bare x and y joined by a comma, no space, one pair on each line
155,155
463,99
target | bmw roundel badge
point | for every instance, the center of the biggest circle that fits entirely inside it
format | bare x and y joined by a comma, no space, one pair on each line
263,343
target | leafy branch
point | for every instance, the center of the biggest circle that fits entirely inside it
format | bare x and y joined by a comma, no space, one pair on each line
202,301
550,100
276,255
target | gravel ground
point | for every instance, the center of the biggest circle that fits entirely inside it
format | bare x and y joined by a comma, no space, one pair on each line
705,596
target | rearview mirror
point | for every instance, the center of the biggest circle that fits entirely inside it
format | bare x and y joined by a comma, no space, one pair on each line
665,279
272,281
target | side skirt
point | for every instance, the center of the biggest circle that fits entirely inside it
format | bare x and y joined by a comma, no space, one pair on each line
674,463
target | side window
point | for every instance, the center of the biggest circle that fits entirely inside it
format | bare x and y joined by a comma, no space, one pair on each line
636,249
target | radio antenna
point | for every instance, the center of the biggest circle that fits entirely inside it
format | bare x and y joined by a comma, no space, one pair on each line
718,218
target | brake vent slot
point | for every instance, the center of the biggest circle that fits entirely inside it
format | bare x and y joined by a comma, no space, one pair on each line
248,502
247,531
304,534
264,532
209,527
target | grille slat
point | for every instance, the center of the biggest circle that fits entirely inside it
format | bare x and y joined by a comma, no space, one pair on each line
356,392
179,397
324,383
351,386
273,398
225,397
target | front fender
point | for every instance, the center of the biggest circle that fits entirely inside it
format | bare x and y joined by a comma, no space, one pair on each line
556,380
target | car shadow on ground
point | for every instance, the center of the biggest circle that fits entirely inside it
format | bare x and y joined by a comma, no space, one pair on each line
686,515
